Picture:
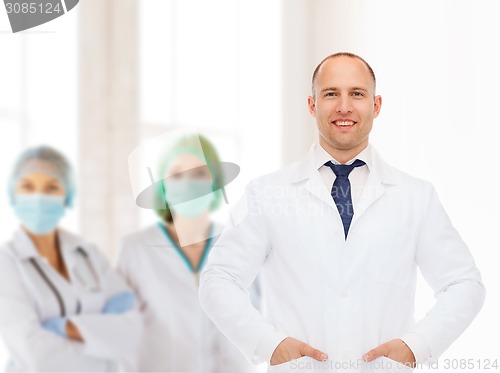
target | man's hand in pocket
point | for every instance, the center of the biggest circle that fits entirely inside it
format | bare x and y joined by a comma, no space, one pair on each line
291,348
395,350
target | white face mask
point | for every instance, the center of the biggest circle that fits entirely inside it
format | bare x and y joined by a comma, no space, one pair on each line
189,197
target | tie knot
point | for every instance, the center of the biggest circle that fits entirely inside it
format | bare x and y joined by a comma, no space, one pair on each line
344,169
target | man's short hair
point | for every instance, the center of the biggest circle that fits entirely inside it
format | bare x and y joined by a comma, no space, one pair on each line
340,54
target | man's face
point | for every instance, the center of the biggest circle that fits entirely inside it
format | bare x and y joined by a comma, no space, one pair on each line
344,106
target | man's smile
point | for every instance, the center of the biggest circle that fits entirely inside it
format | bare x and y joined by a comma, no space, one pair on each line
344,123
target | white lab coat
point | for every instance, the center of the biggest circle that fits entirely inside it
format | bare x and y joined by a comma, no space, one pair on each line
26,300
178,336
343,297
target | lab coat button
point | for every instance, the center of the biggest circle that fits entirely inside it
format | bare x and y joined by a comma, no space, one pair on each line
344,294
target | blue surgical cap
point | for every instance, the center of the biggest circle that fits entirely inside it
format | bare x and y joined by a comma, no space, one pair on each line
46,160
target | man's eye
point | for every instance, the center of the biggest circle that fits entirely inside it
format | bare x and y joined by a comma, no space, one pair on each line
357,94
330,94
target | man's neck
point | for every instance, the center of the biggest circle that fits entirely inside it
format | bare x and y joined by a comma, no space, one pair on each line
343,155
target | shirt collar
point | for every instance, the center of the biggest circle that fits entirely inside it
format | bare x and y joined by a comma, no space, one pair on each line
321,156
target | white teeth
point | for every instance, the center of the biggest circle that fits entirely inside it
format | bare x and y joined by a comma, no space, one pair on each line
344,123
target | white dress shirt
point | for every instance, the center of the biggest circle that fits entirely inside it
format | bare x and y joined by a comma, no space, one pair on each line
357,177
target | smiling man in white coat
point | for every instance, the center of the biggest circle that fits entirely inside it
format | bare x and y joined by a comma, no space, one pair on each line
338,237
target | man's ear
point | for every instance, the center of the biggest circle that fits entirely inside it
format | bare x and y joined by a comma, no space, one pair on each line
377,105
312,106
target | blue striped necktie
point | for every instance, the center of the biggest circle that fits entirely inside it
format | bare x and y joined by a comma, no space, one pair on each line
341,191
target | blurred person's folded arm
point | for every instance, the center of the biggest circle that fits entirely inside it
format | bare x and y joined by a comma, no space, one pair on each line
21,327
109,335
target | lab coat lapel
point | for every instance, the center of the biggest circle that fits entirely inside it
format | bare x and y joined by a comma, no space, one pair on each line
68,246
380,178
23,246
373,190
317,188
304,171
77,267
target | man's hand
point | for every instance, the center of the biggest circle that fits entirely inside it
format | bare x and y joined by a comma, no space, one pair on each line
395,350
290,349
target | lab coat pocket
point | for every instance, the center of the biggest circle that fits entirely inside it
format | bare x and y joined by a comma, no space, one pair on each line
384,364
392,256
302,364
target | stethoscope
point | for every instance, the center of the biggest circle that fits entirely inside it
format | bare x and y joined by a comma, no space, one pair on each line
56,292
90,287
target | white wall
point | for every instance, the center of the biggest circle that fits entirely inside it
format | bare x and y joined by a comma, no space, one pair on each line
37,99
207,65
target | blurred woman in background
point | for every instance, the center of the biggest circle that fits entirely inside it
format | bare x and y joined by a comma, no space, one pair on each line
62,308
162,264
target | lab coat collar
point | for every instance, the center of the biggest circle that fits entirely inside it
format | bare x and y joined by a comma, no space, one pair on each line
306,168
25,249
23,246
380,177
